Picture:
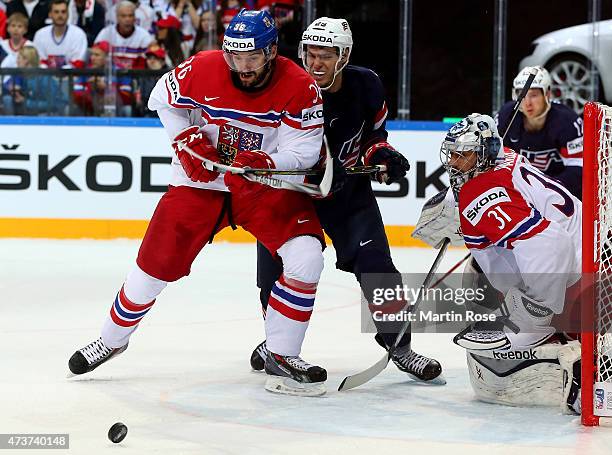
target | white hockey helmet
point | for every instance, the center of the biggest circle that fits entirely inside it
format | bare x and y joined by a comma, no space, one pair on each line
475,133
328,32
542,81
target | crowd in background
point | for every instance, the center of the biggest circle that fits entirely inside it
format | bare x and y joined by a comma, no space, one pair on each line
108,35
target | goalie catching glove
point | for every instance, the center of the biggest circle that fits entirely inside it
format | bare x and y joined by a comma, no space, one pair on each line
384,153
250,159
199,143
439,220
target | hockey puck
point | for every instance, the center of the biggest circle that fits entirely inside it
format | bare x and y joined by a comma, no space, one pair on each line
117,432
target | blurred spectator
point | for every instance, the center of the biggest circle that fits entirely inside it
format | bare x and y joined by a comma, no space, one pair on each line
88,91
156,61
17,27
128,41
287,16
206,38
88,15
169,37
145,15
188,12
227,9
31,95
36,11
61,45
92,94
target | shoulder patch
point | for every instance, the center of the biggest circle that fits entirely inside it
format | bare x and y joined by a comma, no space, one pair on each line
475,209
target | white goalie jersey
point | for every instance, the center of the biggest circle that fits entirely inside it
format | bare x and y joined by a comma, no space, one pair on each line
524,230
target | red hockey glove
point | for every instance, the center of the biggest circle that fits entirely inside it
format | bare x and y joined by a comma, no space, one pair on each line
253,159
197,141
384,153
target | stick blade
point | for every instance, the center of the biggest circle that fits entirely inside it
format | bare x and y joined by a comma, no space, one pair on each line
355,380
328,175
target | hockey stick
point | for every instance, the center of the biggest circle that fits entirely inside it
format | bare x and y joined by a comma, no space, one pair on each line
451,270
351,170
350,382
263,175
515,110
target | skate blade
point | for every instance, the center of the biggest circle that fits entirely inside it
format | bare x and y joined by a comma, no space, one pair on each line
438,380
481,346
287,386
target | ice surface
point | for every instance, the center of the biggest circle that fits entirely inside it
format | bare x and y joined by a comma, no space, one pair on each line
184,386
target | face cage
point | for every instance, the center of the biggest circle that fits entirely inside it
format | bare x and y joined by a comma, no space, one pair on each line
457,177
229,59
303,53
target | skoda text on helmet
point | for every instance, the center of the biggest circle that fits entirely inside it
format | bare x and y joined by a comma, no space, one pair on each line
328,32
249,31
542,81
475,133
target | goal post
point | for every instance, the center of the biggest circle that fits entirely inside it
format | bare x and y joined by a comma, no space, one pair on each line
596,310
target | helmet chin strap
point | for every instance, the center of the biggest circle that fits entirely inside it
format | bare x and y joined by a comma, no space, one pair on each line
336,72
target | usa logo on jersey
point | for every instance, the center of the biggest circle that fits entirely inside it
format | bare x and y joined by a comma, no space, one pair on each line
233,139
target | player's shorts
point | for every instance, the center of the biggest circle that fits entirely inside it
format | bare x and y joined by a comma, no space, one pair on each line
186,218
352,220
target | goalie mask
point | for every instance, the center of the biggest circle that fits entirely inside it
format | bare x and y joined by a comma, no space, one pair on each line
470,147
328,32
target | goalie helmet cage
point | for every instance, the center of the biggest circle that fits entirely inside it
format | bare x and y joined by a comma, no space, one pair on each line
596,311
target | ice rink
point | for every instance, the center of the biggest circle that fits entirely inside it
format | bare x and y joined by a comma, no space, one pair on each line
184,386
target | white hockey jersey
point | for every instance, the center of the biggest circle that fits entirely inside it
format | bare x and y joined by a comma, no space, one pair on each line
128,51
285,119
68,51
524,229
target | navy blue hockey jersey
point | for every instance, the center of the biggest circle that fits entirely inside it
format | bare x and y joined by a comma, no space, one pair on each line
355,115
556,149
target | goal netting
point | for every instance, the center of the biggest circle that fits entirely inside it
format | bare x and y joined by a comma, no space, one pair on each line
597,265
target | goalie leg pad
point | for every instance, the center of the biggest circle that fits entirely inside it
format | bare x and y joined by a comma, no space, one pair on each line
569,359
534,382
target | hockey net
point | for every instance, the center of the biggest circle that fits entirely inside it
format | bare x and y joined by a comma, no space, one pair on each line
597,266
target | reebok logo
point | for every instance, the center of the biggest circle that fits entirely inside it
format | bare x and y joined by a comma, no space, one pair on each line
515,355
537,311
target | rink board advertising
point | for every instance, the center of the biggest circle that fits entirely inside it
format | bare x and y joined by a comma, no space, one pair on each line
103,181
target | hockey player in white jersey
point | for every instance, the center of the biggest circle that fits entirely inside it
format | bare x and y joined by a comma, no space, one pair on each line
524,230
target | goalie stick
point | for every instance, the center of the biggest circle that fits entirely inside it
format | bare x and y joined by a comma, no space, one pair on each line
515,110
350,382
264,176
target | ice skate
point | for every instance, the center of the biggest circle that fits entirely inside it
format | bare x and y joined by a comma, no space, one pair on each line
417,366
92,356
291,375
258,357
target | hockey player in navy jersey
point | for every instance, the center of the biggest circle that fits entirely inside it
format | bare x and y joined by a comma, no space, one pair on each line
549,134
246,106
354,112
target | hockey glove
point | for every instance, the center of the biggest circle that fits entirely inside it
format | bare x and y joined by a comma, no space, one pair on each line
383,153
197,141
253,159
439,220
